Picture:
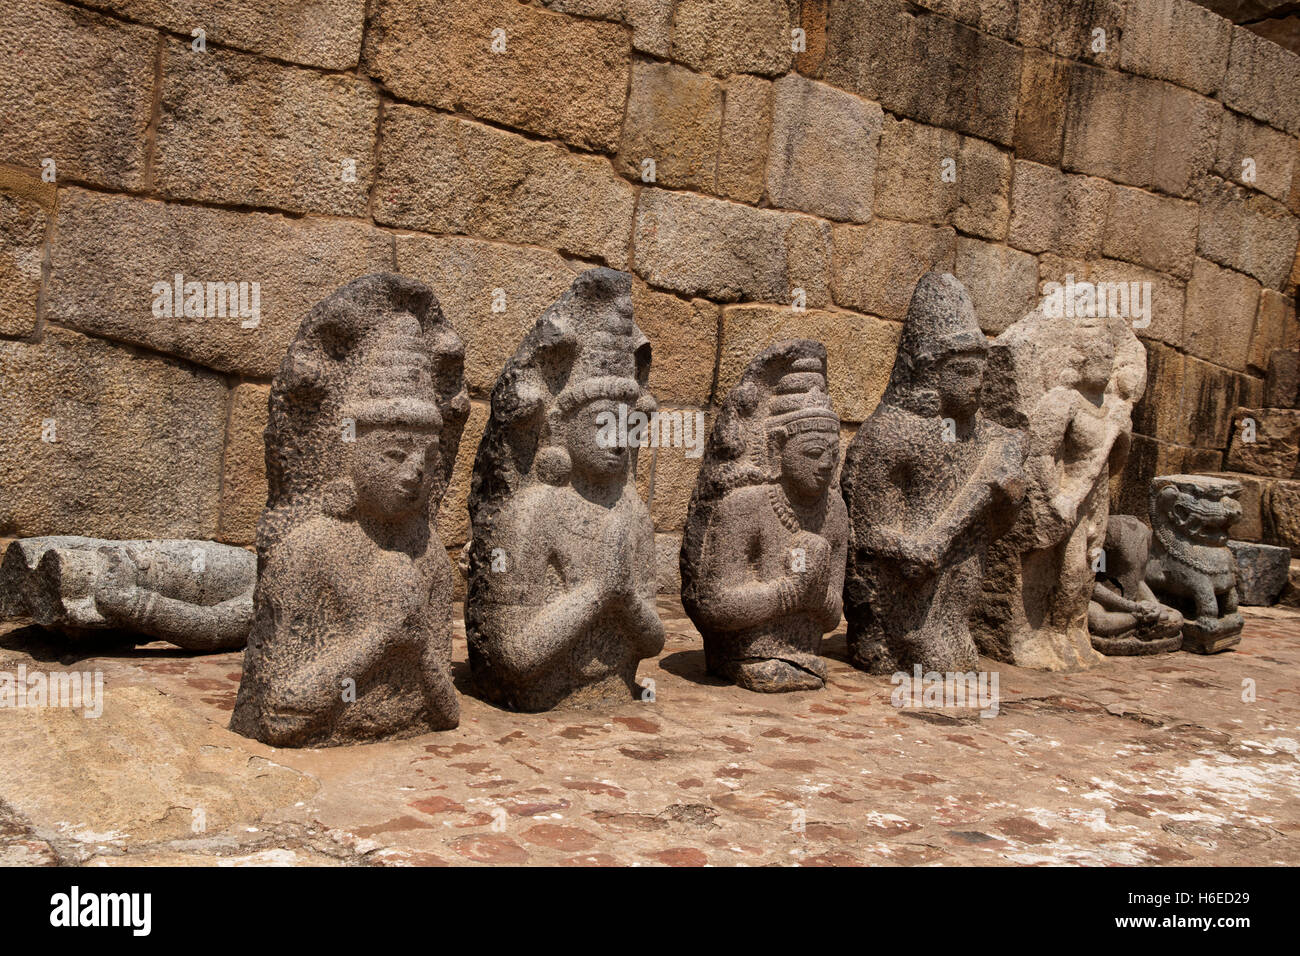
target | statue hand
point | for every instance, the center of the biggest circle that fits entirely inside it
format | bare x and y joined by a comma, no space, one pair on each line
812,552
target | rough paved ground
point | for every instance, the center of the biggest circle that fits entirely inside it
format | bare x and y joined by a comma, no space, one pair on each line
1140,761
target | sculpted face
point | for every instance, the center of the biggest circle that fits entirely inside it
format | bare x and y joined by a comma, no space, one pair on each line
600,462
957,377
1096,355
808,462
389,469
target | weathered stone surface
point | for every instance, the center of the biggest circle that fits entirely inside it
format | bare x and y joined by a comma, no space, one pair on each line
1276,334
325,33
685,337
445,175
725,251
1256,495
243,466
1175,40
1284,31
763,551
822,158
929,483
239,129
1282,387
734,36
651,20
1124,617
1040,117
1160,414
1263,81
559,76
857,348
1151,230
26,208
675,468
453,515
746,129
89,112
1071,29
1148,458
1071,383
998,17
1256,156
668,571
925,67
112,250
1165,302
183,768
1249,233
107,442
1210,396
1053,211
1138,132
561,562
1221,307
490,292
1265,441
1191,567
195,594
1282,515
351,638
912,185
874,265
673,118
1003,282
1262,572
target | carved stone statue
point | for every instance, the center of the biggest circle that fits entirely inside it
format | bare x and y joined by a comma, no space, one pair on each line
196,594
1124,616
763,552
561,571
352,635
1071,382
929,483
1191,565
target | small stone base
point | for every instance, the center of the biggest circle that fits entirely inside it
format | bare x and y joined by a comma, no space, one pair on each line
1211,640
1134,645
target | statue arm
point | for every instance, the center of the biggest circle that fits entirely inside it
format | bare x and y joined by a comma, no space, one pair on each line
734,601
196,627
1111,601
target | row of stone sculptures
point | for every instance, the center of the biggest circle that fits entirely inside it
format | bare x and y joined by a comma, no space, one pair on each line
973,516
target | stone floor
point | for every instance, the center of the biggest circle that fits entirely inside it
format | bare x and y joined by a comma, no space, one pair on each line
1140,761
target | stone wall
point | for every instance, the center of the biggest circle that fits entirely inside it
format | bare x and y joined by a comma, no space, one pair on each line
1003,141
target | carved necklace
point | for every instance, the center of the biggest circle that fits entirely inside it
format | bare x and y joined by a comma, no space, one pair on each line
1190,554
792,517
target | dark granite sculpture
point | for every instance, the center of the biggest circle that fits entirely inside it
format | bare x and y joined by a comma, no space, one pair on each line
1191,566
929,482
352,635
561,605
195,594
1071,382
762,556
1124,616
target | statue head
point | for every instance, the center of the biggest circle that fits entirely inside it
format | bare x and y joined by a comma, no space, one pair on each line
366,410
803,432
1093,352
1197,509
939,368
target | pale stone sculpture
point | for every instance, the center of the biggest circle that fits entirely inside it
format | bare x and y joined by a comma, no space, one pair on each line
1071,382
1191,565
763,552
929,482
1124,616
352,635
561,571
195,594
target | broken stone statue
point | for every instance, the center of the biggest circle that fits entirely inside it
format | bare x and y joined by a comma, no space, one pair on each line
929,482
195,594
762,556
561,603
1124,616
351,639
1191,565
1071,382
